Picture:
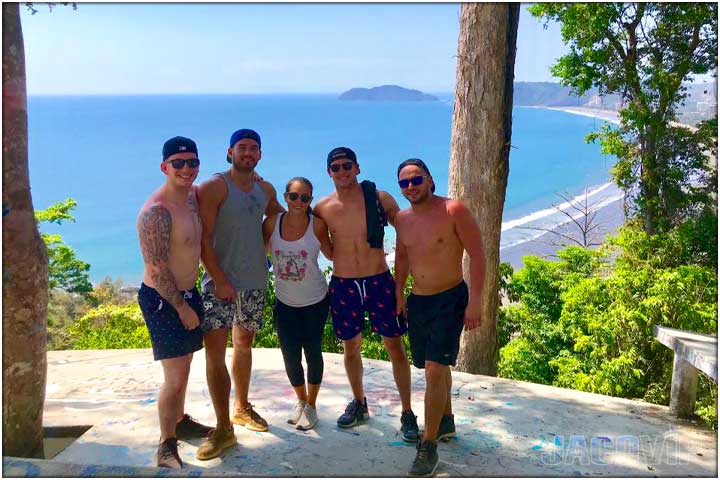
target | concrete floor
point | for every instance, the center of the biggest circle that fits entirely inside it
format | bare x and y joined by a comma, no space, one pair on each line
505,428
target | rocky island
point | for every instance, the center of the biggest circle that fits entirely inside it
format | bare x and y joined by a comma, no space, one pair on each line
387,93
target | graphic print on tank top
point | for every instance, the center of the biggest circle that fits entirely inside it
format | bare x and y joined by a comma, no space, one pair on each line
292,264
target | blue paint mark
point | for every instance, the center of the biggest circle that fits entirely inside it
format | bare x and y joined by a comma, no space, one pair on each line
401,444
488,439
536,447
5,209
509,404
89,471
148,401
559,441
29,469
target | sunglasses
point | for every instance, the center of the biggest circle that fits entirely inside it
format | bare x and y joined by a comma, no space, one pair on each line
305,198
414,180
345,166
178,163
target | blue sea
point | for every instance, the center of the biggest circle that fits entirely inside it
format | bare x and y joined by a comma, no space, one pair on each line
105,151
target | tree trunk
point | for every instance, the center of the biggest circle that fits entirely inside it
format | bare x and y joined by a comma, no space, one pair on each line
480,150
25,262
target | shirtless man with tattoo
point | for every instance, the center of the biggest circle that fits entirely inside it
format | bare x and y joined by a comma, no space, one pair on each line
361,282
169,229
431,237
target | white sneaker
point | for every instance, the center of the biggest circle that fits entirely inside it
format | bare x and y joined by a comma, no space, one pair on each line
297,412
310,418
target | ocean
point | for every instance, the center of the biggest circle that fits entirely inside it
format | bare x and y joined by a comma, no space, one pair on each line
105,151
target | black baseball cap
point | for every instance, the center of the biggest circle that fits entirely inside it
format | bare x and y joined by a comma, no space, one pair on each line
340,152
418,163
178,145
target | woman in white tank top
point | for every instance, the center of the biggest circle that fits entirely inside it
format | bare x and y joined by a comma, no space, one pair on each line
294,240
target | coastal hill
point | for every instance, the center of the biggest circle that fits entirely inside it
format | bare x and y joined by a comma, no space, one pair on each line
700,103
387,93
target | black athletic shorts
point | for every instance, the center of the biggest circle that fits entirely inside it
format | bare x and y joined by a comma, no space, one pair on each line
435,324
168,335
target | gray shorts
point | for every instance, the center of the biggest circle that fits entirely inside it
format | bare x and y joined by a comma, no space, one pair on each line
246,312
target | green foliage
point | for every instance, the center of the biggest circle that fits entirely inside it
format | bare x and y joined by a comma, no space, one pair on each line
111,326
67,272
645,53
585,322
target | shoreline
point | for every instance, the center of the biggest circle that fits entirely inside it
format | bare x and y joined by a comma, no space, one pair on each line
599,113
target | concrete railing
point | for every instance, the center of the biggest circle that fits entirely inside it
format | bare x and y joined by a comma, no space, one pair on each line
694,352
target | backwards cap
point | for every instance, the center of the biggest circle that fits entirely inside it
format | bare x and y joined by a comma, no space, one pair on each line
243,133
178,145
340,152
418,163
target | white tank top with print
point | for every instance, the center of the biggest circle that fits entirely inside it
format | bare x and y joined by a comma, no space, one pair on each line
298,279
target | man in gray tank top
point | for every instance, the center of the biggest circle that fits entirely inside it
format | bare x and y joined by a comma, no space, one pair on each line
232,206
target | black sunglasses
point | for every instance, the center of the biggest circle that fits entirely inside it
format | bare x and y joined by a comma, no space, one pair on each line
305,198
345,166
179,163
414,180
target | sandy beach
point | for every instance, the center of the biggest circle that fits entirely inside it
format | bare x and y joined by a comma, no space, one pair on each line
609,218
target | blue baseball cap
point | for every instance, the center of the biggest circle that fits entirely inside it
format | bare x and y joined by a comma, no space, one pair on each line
243,133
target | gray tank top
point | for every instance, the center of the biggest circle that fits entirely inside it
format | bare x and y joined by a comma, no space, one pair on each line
238,239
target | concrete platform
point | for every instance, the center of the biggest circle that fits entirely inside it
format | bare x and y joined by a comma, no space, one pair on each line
505,428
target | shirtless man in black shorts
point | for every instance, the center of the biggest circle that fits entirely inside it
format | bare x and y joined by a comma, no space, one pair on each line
169,229
431,237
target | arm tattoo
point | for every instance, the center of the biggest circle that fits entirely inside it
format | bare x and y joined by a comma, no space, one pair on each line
155,228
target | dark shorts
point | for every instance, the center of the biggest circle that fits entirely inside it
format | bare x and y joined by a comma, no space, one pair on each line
350,298
168,335
435,325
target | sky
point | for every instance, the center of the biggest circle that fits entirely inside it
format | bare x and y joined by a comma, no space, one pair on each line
257,48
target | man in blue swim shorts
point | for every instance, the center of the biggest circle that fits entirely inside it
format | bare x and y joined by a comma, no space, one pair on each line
169,229
356,214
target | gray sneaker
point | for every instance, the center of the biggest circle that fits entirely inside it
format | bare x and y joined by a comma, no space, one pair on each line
167,454
355,413
409,427
297,412
447,428
309,418
426,459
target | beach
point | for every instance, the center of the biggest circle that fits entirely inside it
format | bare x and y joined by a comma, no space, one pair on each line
609,217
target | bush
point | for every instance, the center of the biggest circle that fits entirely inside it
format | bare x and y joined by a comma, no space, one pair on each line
111,326
586,322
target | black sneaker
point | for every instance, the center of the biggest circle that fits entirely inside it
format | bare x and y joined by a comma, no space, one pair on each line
426,459
188,427
167,454
447,428
409,427
355,413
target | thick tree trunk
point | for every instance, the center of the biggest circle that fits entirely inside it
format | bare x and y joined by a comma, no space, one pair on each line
25,262
480,150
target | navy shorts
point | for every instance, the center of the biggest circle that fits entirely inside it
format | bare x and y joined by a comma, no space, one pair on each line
168,335
350,298
435,325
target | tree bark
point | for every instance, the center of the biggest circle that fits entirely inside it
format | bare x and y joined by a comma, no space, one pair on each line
480,150
25,262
